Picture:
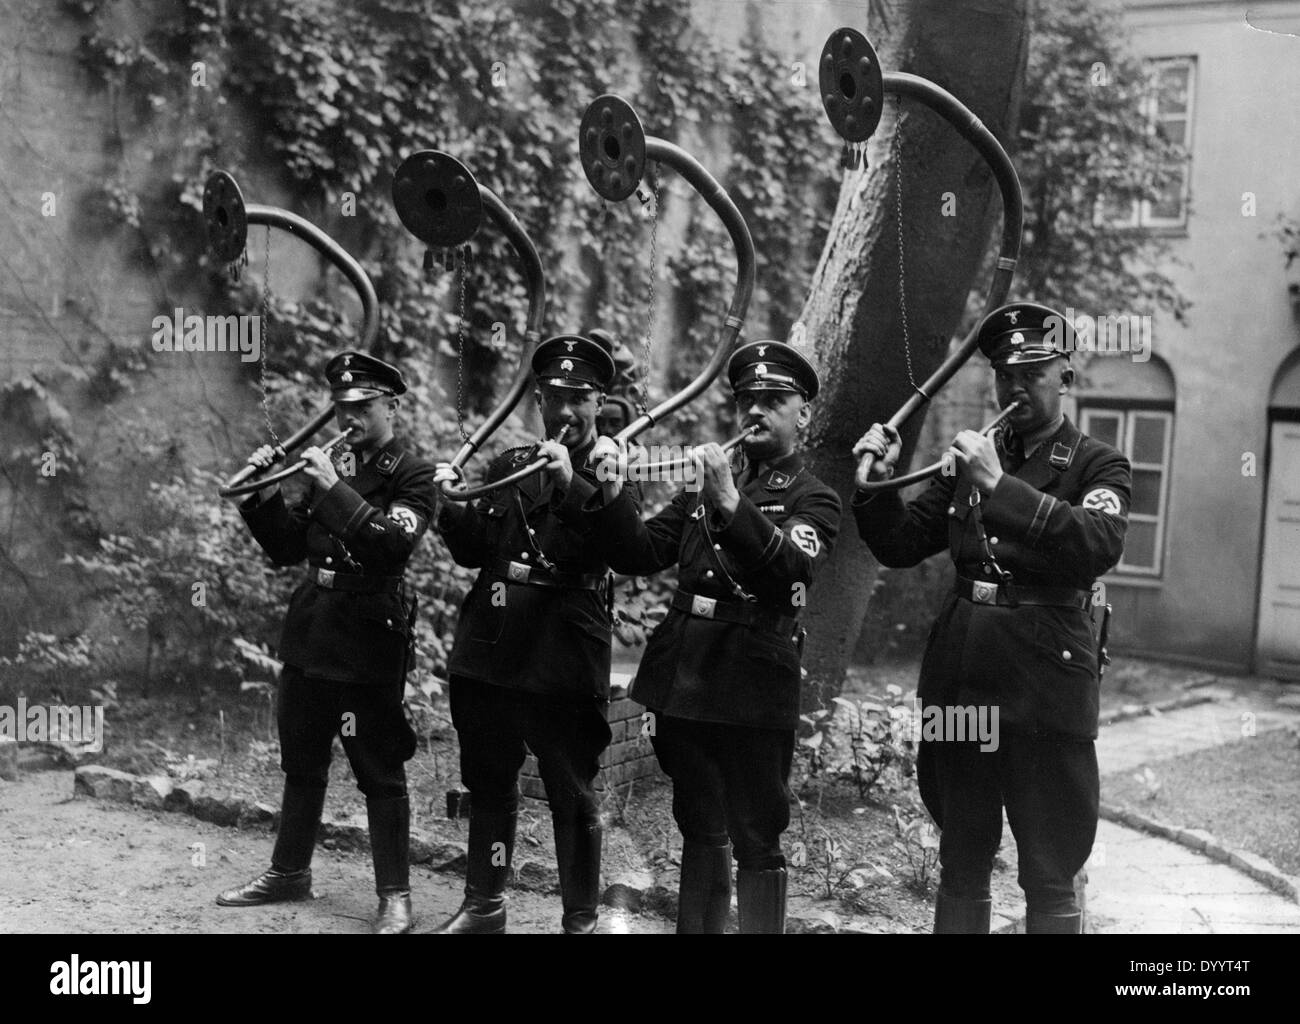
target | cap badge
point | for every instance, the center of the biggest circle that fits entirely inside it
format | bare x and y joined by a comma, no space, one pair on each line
762,351
345,377
1017,338
1013,315
570,345
566,365
761,369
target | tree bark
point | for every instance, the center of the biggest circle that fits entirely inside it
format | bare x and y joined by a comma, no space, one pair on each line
976,49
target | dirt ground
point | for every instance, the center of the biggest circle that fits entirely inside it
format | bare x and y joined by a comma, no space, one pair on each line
79,865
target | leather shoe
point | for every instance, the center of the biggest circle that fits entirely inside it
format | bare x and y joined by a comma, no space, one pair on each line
273,886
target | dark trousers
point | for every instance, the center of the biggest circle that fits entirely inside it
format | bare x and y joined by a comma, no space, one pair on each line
1050,789
728,781
493,724
369,719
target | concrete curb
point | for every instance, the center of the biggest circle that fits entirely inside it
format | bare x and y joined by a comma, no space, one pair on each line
1126,713
1202,842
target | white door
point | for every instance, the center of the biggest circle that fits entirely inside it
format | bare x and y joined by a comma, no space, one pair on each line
1279,599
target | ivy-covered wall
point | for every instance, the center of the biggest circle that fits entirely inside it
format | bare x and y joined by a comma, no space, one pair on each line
120,553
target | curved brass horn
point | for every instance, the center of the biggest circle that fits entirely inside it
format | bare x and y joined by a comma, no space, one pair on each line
614,149
853,88
439,201
227,218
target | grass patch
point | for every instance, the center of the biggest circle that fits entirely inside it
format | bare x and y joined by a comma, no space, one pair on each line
1246,794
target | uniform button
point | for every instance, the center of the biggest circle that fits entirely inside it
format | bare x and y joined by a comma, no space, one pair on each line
532,532
993,540
708,574
952,510
329,560
986,567
388,623
524,555
1066,655
717,547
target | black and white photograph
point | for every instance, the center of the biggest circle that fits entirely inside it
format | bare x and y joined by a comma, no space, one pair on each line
651,467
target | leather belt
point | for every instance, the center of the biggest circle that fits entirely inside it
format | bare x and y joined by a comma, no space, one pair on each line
354,583
1011,594
536,576
746,613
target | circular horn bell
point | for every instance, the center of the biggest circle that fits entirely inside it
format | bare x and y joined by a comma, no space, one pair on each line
852,87
437,199
611,145
224,215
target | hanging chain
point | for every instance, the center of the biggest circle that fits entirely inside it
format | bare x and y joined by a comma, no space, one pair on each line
902,280
460,348
647,341
266,333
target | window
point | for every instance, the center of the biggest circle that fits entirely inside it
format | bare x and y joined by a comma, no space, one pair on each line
1169,113
1144,435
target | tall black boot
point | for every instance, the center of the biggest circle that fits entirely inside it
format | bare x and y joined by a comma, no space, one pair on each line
704,896
577,855
290,875
760,901
390,843
491,841
955,916
1038,923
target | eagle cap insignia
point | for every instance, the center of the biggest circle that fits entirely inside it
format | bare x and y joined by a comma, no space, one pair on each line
1013,315
566,365
570,345
762,351
347,360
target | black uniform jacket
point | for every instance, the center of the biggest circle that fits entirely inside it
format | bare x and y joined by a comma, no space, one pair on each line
546,639
1057,521
364,526
763,556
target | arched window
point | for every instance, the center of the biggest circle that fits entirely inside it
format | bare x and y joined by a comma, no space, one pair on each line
1131,406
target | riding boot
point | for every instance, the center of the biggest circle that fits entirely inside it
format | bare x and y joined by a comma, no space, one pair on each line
577,854
704,895
955,916
289,877
390,840
760,901
491,845
1038,923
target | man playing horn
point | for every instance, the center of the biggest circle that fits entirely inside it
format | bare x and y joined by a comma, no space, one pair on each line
531,660
721,673
347,635
1030,522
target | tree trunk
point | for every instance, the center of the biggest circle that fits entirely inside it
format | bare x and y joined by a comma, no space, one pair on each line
976,49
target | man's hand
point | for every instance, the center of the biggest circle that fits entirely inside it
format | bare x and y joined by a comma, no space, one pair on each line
319,468
977,457
884,444
609,464
446,473
559,466
714,473
263,459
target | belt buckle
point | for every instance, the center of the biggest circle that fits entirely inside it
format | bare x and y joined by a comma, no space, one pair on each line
519,572
325,577
703,606
984,593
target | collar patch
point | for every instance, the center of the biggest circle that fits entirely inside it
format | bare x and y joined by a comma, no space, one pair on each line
1061,455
